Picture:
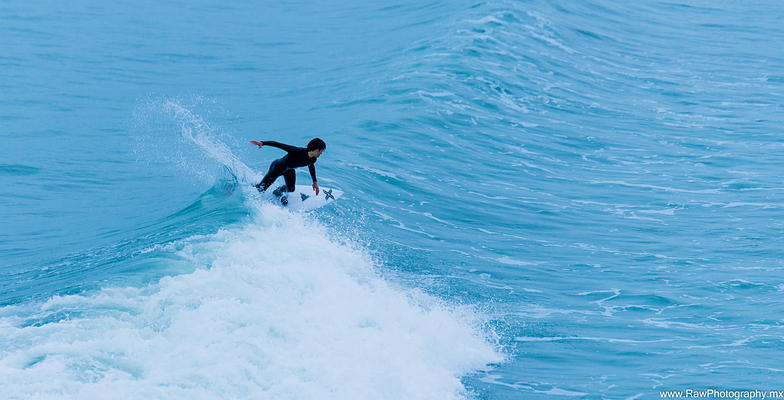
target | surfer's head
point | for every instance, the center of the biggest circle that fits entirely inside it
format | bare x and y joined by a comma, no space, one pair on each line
316,147
317,144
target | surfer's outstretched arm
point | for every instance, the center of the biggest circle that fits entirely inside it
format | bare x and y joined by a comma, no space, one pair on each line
285,147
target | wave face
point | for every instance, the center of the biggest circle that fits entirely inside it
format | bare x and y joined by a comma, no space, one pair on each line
234,296
543,199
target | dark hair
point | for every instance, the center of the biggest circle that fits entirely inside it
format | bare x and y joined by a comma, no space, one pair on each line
317,144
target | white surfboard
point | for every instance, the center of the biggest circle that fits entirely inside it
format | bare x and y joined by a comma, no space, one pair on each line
305,198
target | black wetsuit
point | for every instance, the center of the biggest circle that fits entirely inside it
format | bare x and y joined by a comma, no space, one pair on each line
296,157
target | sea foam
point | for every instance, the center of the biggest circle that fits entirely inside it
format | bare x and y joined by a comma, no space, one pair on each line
270,309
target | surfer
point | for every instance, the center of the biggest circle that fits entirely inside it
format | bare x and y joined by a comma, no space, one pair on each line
296,157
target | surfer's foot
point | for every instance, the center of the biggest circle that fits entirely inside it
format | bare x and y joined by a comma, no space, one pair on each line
259,188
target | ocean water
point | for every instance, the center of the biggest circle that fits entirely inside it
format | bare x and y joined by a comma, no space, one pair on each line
543,199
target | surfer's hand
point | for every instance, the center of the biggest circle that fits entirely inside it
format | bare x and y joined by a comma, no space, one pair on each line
257,143
316,188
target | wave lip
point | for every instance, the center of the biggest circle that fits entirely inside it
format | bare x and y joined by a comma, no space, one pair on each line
274,309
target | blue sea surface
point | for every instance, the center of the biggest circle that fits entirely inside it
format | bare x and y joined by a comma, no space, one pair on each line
543,199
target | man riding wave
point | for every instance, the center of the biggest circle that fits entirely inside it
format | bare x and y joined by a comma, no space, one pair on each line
295,157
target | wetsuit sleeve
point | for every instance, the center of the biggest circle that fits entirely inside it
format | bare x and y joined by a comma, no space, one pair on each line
312,169
285,147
